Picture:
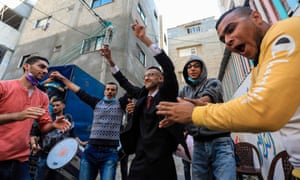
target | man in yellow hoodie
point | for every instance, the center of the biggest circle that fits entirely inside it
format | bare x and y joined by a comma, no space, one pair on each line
273,100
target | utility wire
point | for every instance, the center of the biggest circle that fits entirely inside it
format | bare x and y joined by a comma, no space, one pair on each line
102,22
54,18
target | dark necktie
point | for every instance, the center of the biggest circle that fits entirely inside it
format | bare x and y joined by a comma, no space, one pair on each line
149,100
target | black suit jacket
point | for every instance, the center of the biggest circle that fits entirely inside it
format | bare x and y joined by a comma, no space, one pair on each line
150,143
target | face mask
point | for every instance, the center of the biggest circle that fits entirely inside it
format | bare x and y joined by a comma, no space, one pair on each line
193,80
32,79
108,100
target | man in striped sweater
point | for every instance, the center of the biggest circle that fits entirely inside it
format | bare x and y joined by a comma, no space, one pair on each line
100,154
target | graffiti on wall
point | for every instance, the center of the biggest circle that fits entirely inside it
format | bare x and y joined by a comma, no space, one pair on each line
265,144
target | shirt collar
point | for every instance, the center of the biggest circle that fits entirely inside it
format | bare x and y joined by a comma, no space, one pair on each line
154,93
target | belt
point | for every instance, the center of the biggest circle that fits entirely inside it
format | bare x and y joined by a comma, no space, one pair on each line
209,138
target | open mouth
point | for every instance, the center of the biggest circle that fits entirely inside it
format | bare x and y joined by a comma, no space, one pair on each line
240,48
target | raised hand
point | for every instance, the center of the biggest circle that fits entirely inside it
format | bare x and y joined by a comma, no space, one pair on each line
130,106
140,32
106,52
56,75
180,112
62,124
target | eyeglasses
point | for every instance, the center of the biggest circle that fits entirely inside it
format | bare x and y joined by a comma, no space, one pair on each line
149,75
196,65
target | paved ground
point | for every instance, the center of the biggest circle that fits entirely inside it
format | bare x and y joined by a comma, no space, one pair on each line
178,163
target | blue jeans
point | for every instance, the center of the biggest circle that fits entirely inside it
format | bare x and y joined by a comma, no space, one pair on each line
98,159
14,170
43,172
214,159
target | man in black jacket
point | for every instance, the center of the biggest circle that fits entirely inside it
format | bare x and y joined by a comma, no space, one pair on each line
153,146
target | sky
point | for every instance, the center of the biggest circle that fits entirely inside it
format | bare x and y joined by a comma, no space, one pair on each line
177,12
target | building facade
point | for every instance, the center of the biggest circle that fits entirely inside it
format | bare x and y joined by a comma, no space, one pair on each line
72,32
195,38
13,15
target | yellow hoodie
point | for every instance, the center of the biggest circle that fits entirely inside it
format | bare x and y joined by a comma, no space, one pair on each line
274,95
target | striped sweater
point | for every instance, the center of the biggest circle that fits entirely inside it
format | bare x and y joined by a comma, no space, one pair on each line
106,121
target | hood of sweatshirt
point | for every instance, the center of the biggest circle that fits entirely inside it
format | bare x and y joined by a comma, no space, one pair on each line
203,76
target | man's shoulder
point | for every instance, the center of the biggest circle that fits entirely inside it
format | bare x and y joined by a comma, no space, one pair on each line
9,82
289,25
9,85
213,80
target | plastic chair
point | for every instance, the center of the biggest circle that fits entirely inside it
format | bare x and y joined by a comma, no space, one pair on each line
245,166
286,166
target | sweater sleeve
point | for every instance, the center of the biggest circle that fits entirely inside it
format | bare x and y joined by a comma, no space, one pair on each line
213,89
273,96
88,99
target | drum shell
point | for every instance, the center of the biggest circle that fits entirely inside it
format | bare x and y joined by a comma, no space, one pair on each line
64,158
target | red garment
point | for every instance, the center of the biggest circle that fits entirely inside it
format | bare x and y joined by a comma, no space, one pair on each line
149,101
15,136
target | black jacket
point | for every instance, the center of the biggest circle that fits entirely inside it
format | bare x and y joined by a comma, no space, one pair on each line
152,145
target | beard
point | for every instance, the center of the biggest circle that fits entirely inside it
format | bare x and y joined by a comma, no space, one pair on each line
151,86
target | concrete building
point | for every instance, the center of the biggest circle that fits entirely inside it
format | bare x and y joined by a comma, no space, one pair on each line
72,31
195,38
13,15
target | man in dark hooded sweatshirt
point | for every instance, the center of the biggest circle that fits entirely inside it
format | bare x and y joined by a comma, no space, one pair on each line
213,152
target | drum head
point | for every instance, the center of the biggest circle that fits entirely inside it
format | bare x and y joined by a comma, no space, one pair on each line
62,153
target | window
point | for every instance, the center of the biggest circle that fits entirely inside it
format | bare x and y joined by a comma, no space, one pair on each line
290,6
141,56
193,51
155,15
181,77
97,3
187,52
165,40
10,18
141,13
92,44
57,48
2,53
194,29
42,23
22,60
293,4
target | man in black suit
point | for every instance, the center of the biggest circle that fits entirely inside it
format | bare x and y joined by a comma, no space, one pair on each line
153,147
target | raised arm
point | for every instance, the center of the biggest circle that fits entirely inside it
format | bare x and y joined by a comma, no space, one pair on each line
69,84
140,33
88,99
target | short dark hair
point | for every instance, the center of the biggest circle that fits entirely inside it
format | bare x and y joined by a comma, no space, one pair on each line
58,99
33,59
112,83
242,10
155,67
